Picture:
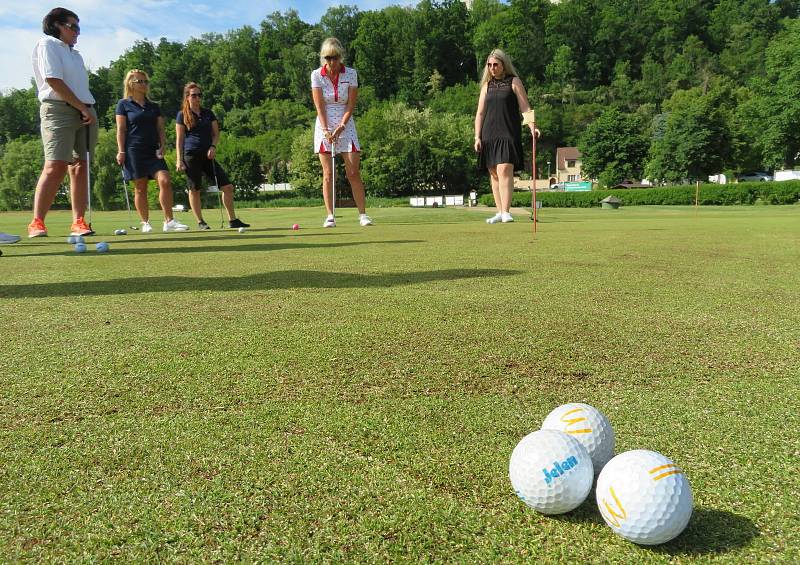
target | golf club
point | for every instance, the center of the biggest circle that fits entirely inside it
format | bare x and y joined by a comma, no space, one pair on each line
88,179
127,201
333,177
219,193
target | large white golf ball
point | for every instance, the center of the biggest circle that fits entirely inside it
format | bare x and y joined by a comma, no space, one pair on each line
551,471
644,497
589,426
242,230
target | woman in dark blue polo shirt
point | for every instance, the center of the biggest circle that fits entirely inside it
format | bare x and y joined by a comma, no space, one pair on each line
140,144
196,138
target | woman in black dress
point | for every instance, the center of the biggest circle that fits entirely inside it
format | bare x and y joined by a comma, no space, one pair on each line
498,130
140,149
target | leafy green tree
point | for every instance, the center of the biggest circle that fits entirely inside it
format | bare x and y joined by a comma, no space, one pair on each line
20,165
306,172
244,167
518,30
772,116
106,174
613,148
341,22
384,46
19,114
697,140
235,69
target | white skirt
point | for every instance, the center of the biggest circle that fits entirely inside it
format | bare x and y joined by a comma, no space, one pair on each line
348,139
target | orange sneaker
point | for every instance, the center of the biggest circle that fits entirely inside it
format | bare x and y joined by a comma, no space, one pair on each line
36,228
80,227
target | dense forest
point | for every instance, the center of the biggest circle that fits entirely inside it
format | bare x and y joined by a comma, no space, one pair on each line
671,90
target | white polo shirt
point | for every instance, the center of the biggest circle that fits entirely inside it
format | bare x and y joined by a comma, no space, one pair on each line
52,58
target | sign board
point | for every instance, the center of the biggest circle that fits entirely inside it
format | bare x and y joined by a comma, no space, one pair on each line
577,186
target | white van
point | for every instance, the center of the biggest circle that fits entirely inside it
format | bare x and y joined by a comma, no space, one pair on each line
787,175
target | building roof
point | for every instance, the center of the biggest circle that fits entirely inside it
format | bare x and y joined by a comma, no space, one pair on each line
564,154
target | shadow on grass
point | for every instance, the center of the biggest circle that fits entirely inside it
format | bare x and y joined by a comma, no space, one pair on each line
244,243
709,531
261,281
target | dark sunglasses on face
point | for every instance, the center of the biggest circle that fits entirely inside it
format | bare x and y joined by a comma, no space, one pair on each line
331,57
492,65
74,27
195,95
140,81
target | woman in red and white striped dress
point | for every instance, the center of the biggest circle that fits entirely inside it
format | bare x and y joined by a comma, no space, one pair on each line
334,89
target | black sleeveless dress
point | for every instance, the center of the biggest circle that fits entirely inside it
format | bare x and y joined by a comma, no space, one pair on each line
501,131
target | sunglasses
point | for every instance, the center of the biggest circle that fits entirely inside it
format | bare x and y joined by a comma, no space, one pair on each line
331,57
493,65
195,95
140,81
74,27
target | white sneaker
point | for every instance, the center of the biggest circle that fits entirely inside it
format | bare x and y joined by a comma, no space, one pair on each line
364,220
494,219
8,238
146,227
175,225
506,217
330,222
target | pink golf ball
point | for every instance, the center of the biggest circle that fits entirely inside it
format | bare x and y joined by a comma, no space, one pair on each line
295,226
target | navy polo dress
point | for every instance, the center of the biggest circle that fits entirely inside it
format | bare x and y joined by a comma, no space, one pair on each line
141,140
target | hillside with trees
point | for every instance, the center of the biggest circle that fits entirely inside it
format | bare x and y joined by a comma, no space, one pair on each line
671,90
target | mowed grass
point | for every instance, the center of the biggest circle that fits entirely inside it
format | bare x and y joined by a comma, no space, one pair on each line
354,395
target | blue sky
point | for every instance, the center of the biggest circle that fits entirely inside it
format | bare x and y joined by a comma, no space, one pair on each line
109,27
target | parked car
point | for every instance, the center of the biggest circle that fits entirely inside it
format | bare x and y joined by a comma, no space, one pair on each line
754,177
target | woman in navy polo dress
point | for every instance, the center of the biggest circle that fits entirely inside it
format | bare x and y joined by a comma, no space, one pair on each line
140,144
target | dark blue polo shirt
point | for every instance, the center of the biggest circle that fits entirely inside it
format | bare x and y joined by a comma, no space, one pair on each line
200,137
142,121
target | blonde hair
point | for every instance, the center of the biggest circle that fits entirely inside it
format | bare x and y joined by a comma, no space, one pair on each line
331,46
508,66
127,85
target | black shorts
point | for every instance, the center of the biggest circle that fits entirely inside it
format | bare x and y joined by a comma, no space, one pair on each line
197,165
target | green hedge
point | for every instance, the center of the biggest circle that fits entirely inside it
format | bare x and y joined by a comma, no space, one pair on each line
786,192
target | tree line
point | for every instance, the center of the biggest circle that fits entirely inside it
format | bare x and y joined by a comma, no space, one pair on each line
671,90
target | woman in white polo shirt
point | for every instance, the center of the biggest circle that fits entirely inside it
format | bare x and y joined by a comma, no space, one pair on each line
334,89
66,112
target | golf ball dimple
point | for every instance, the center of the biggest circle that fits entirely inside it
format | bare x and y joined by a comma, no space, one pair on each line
101,247
589,426
551,471
644,497
80,247
242,230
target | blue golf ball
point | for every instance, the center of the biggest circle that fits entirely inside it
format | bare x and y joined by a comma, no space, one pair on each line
101,247
80,248
72,240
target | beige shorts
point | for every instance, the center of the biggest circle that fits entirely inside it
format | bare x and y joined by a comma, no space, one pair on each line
63,132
